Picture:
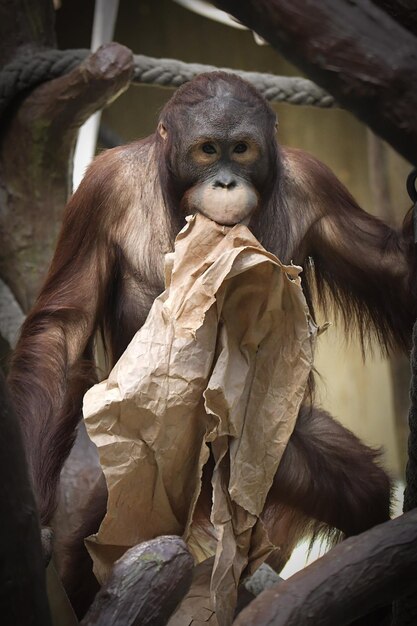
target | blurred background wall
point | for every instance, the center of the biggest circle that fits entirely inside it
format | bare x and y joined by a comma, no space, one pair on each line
369,397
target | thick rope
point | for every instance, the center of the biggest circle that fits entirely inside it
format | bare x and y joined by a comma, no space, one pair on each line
264,578
172,73
28,71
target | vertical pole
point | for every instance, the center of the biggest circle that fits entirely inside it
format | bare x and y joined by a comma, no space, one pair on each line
105,15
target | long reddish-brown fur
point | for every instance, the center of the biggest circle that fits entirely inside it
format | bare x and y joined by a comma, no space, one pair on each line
108,268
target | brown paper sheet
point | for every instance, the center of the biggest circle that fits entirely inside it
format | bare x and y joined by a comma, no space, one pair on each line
223,358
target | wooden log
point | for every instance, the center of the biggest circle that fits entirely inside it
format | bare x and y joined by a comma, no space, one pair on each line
35,163
354,578
23,599
402,11
354,50
145,585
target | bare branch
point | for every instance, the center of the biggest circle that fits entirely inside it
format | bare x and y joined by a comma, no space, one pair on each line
39,141
403,11
365,59
355,577
145,585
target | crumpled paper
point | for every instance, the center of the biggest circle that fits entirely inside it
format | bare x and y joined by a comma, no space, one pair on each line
222,359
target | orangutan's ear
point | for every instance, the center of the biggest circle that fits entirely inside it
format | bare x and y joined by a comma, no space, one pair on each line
162,131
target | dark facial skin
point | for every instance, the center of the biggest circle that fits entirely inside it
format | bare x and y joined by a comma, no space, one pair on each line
221,160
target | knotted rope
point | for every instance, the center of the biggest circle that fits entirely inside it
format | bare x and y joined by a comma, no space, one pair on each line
29,71
172,73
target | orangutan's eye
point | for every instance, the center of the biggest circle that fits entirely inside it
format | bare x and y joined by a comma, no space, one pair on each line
240,148
209,148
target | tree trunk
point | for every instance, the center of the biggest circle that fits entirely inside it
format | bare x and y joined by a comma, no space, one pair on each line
23,599
26,26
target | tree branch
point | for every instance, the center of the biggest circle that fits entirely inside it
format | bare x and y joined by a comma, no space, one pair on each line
403,11
145,585
351,580
39,142
365,59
